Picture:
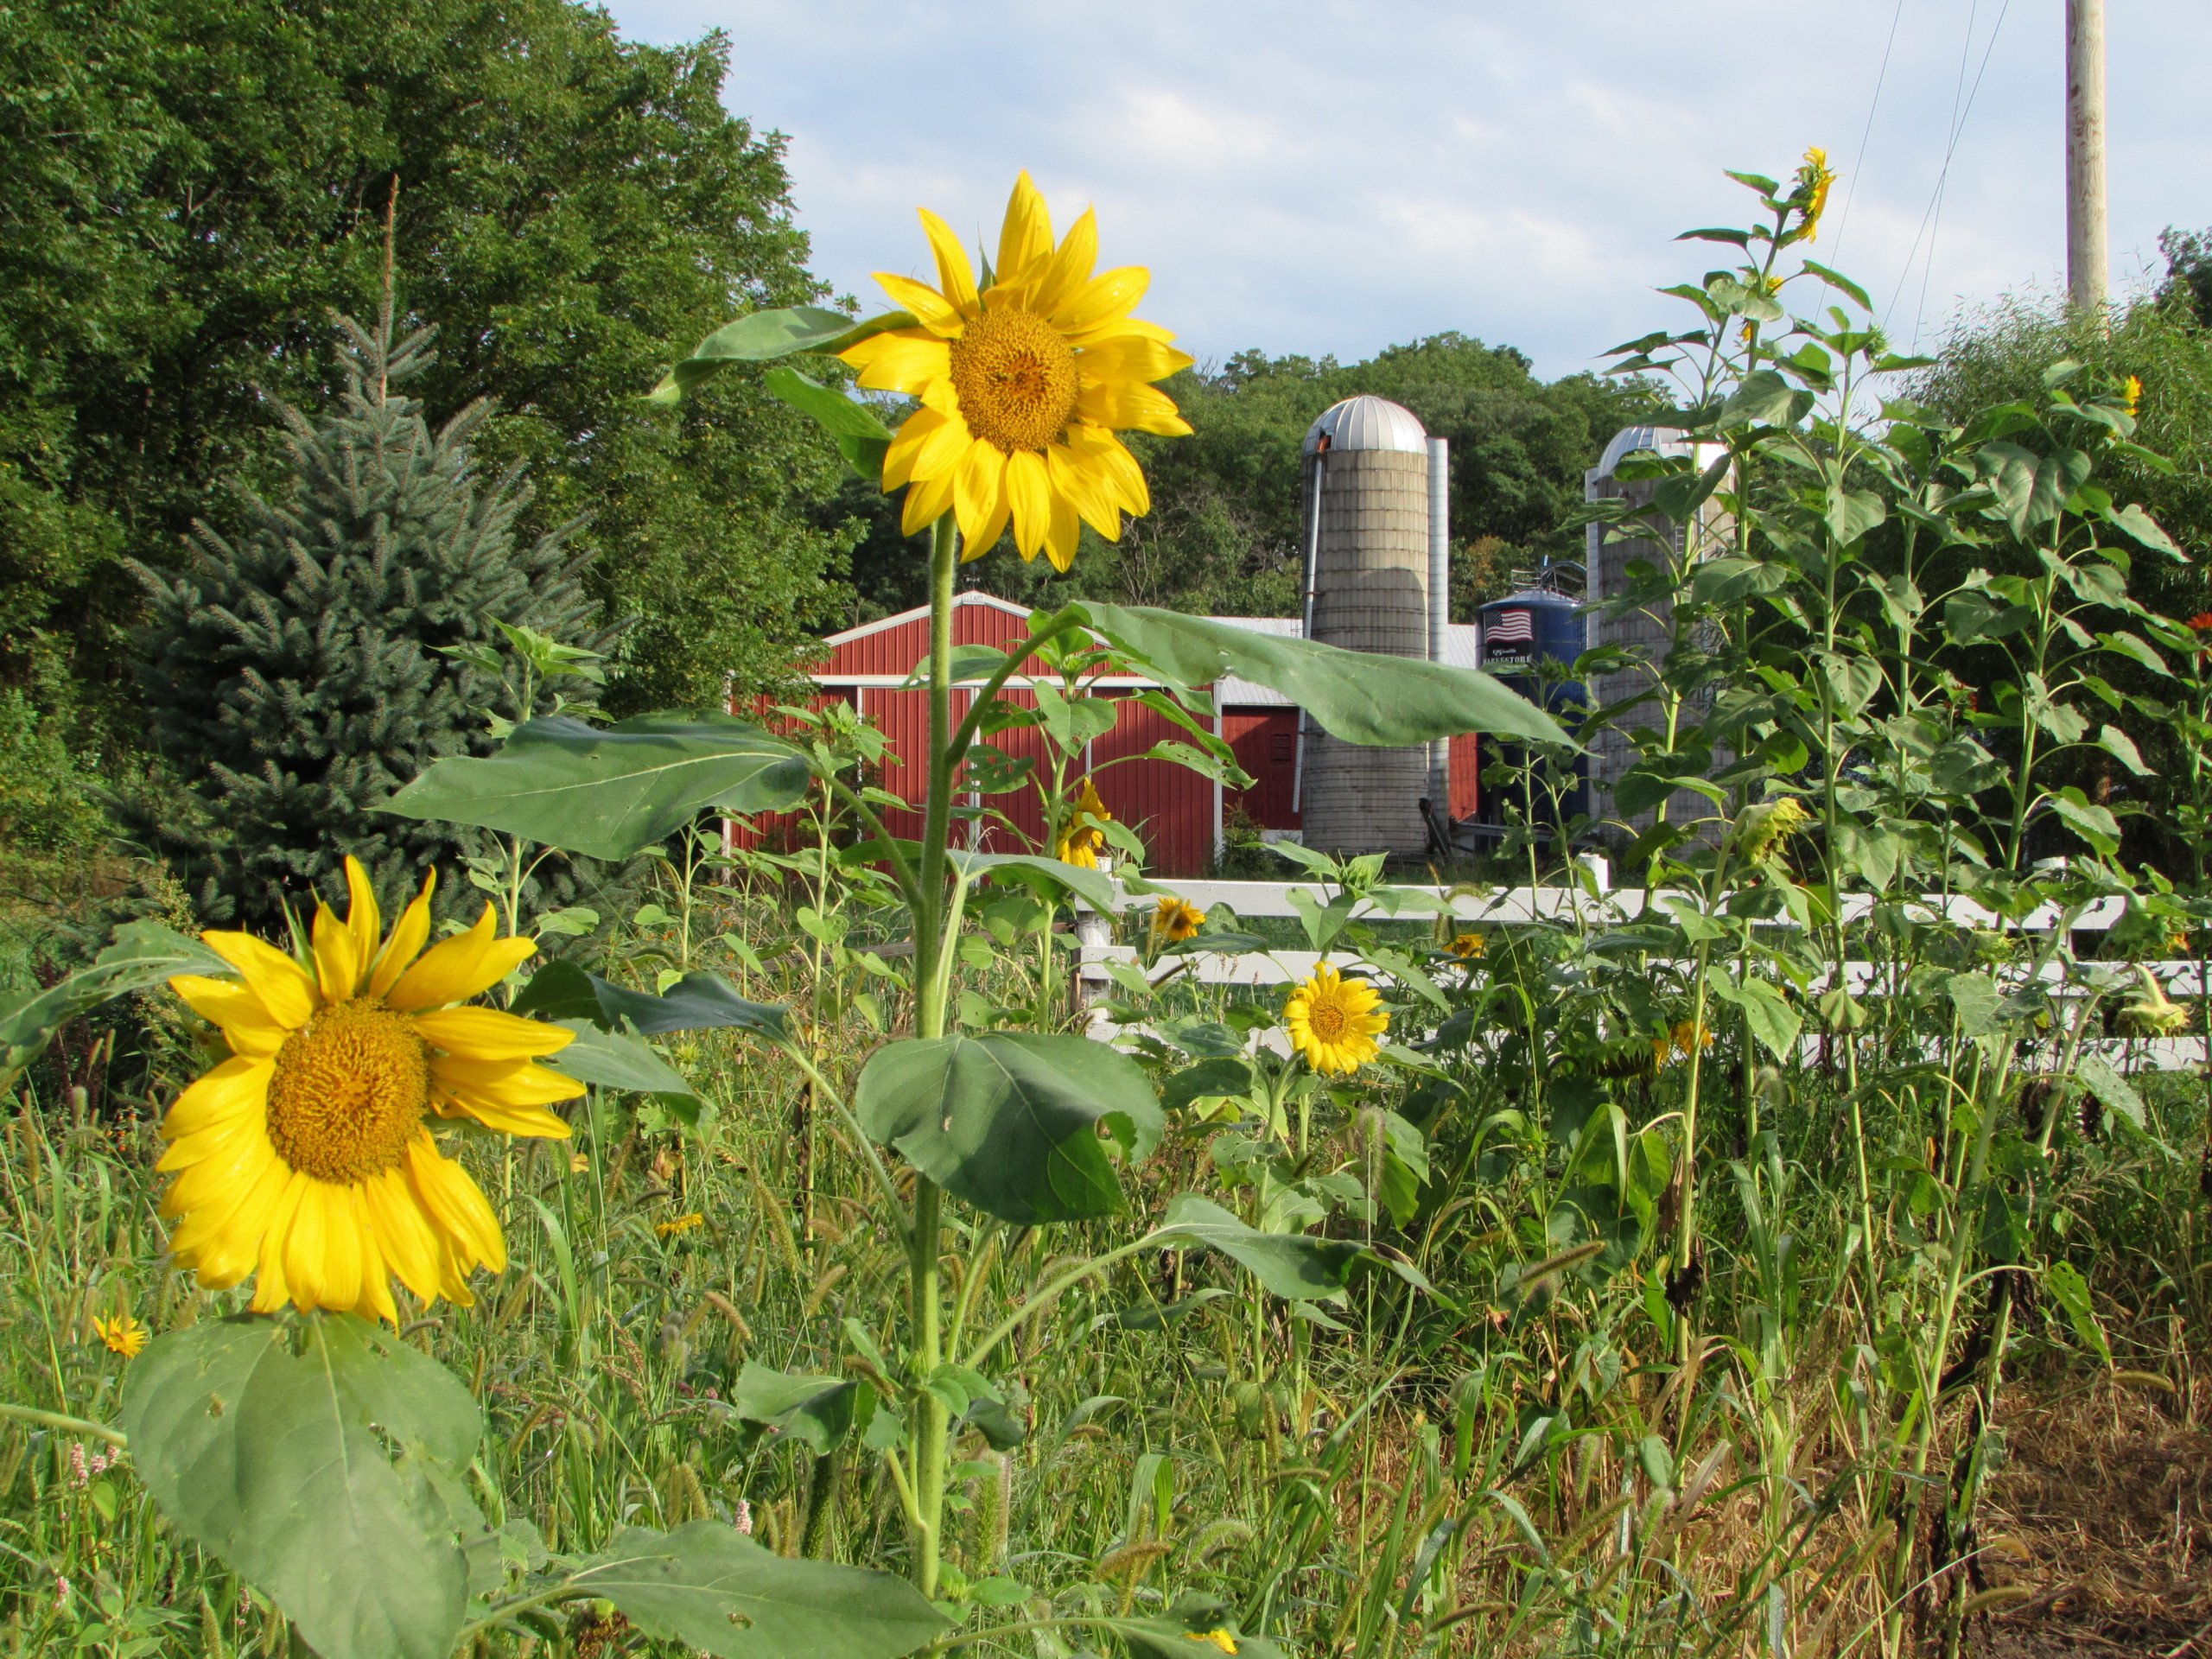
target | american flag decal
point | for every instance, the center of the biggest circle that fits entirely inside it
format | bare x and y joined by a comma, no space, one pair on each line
1509,628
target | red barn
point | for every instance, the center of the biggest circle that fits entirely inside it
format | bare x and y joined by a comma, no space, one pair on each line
1178,814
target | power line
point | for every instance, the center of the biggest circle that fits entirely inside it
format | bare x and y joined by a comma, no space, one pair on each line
1931,219
1881,75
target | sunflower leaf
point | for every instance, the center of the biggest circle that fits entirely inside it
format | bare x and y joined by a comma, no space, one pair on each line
708,1585
610,793
613,1059
1010,1121
1357,695
764,336
271,1444
142,955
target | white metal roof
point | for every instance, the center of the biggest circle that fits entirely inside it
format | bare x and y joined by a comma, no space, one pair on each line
1667,440
1368,423
884,623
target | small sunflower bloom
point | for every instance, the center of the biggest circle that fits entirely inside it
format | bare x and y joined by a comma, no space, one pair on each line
1815,179
1689,1036
1468,947
1762,828
680,1225
1176,920
122,1334
2130,393
1333,1022
1082,840
306,1158
1024,379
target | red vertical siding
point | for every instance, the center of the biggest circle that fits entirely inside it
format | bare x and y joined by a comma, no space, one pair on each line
1467,775
1266,745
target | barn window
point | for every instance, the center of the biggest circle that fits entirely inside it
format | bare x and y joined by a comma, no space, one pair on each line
1286,746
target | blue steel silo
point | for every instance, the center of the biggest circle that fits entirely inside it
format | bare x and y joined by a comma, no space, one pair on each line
1528,639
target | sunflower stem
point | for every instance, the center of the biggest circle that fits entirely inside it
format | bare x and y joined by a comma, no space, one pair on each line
932,989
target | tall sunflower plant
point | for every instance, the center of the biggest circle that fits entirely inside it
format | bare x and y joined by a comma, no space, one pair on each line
321,1172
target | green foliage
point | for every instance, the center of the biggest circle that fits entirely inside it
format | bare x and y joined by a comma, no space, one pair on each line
297,674
315,1458
46,803
143,956
568,202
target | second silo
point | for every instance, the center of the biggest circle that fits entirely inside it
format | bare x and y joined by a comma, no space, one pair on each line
1365,481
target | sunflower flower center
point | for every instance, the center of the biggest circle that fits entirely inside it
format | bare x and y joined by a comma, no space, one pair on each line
1326,1019
1016,380
350,1090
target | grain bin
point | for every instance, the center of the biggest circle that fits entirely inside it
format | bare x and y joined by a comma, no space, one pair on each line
1365,479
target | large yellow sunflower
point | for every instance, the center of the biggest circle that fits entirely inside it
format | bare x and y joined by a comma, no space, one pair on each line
1023,383
1334,1021
307,1157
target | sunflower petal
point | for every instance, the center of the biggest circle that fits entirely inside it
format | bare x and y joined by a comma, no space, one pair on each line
1130,357
902,359
364,921
907,443
979,489
232,1006
1066,534
336,968
407,939
490,1034
1081,482
403,1232
237,1086
452,1201
1026,235
533,1122
930,307
1071,265
1106,298
1122,405
455,969
988,537
512,1083
928,499
956,277
1029,492
280,984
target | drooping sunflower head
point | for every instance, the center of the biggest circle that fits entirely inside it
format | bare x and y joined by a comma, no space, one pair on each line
1082,840
1334,1021
1814,179
1466,947
1023,379
1177,919
306,1158
1763,828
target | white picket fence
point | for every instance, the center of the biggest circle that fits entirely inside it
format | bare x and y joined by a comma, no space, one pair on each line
1505,906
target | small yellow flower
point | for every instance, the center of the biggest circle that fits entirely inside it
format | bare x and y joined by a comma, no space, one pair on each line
1177,919
1082,841
1813,179
1334,1021
1689,1036
123,1335
1468,946
579,1162
1219,1638
2132,392
1023,382
681,1225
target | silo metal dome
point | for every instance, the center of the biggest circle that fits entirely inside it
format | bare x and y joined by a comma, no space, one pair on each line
1368,423
1667,440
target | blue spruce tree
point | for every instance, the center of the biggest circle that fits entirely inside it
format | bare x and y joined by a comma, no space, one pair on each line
299,673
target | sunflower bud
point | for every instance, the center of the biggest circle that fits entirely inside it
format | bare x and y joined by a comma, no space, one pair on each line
1762,829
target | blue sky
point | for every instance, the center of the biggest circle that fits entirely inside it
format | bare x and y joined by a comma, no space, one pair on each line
1312,176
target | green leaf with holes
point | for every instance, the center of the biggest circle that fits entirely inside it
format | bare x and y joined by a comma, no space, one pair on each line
297,1451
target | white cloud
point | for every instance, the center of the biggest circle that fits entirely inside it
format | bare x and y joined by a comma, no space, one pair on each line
1326,177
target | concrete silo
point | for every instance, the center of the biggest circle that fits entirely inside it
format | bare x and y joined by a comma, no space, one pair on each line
1368,560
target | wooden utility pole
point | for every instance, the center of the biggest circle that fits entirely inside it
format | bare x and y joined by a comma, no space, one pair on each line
2087,275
